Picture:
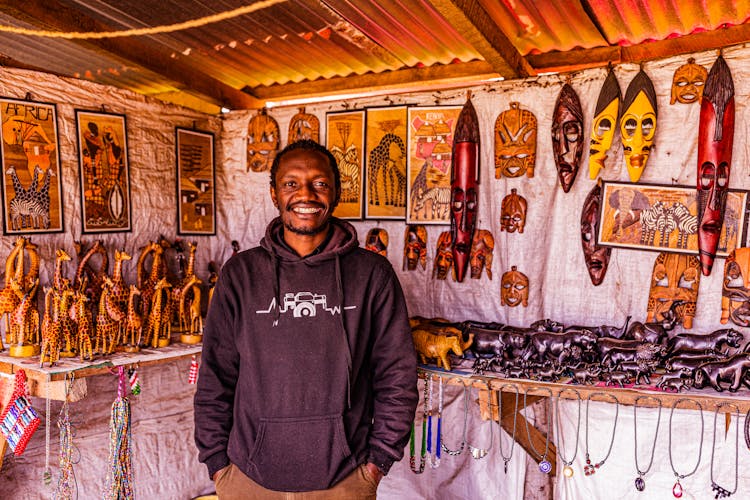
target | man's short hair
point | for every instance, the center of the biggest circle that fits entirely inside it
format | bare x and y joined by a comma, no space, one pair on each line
307,145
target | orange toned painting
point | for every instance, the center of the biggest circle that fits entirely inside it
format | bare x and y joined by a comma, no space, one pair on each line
385,167
345,138
196,181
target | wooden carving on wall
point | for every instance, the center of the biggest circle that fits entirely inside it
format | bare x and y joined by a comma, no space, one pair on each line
513,212
482,247
377,241
514,288
638,124
675,277
735,291
567,136
415,247
262,141
304,126
515,142
443,256
688,82
605,123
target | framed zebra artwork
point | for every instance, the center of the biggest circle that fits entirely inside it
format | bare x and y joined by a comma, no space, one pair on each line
196,181
104,172
31,180
428,167
665,218
345,138
385,163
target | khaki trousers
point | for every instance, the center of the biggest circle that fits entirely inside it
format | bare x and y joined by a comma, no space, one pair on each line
233,484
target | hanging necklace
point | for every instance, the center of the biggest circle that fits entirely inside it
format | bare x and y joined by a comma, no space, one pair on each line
412,458
506,458
463,433
544,465
66,482
590,468
479,453
677,488
435,463
640,484
567,469
747,429
721,492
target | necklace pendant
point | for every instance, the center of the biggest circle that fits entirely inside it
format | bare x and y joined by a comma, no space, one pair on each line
677,489
640,484
568,471
505,465
545,466
720,492
589,469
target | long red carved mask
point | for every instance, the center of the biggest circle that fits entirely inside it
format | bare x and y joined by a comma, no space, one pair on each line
715,139
464,180
596,256
567,136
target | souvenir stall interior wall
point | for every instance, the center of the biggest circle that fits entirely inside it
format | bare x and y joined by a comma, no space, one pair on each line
540,258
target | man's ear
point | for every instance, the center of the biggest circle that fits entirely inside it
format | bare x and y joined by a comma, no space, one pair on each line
272,191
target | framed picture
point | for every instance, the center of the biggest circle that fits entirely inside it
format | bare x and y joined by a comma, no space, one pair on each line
385,163
196,182
32,177
345,138
664,218
104,172
428,168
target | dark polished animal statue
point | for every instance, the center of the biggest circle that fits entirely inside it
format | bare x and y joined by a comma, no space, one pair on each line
656,332
544,344
697,342
732,370
604,331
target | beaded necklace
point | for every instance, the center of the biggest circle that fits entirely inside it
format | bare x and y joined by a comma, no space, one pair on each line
412,458
544,465
507,458
567,469
720,491
463,433
677,490
590,468
479,453
435,462
640,484
66,482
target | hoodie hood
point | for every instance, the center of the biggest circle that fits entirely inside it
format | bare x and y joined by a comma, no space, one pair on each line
342,241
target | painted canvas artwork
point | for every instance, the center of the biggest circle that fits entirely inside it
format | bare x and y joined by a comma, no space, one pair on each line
385,154
345,138
196,181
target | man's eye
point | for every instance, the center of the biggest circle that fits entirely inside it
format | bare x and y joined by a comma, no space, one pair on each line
321,185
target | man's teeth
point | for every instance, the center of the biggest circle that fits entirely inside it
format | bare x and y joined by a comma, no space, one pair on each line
306,210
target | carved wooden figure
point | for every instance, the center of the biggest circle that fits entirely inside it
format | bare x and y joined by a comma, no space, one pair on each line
81,316
109,320
133,322
515,142
157,323
675,277
513,212
9,299
24,326
262,141
443,264
514,288
567,136
303,126
735,291
189,300
596,256
638,124
432,346
155,274
377,241
87,268
688,82
482,246
51,331
415,247
605,123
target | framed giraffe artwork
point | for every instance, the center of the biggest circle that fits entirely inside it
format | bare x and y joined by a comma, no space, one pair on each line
32,178
428,164
345,138
385,163
664,218
104,172
196,182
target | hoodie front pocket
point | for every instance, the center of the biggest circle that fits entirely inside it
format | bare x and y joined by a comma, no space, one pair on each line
299,454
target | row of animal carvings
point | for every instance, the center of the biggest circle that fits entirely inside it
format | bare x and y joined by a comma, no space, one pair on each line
634,353
98,313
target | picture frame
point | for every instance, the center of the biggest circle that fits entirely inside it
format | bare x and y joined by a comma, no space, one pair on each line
430,132
104,172
345,139
629,213
32,173
385,162
196,182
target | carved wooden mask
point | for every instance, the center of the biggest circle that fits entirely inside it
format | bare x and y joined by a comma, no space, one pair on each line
515,142
605,123
513,212
676,276
304,126
482,247
715,141
567,136
443,256
514,288
735,292
415,247
596,256
688,82
377,241
262,142
638,124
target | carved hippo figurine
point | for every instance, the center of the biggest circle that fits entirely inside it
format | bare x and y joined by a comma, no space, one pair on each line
430,345
587,374
699,342
732,370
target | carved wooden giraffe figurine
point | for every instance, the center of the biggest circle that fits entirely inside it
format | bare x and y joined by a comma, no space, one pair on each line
87,269
142,273
58,279
119,290
108,320
196,320
134,321
156,320
51,330
148,288
182,293
81,316
186,297
25,324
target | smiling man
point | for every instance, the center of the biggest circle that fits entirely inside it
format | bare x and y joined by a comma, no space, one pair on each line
308,380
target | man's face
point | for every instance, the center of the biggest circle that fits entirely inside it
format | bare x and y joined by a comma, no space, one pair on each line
305,192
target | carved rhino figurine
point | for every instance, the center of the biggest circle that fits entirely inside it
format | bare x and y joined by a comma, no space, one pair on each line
432,346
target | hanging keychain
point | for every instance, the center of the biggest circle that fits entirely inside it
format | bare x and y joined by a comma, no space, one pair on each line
193,374
135,381
19,420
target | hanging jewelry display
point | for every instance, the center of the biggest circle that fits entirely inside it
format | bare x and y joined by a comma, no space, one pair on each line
590,468
66,482
461,447
747,429
640,484
119,484
544,465
423,452
47,476
677,490
507,458
720,491
434,461
567,469
479,453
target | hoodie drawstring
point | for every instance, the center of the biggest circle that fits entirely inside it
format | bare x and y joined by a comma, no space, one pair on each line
348,353
277,313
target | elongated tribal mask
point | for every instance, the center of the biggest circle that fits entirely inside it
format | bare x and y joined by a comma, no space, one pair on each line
605,123
715,140
596,256
515,142
567,136
638,124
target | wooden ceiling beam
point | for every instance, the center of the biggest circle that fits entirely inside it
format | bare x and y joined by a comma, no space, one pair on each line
53,15
470,19
407,80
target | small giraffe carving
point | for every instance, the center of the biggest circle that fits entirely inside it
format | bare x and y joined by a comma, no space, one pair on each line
81,316
157,323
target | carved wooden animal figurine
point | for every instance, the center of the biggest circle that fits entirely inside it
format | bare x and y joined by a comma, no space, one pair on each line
108,320
700,342
79,313
732,370
189,299
118,292
675,277
148,286
58,278
24,324
94,277
586,374
133,322
157,323
429,345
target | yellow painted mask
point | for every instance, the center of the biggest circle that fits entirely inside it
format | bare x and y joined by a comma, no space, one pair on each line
638,124
605,120
688,82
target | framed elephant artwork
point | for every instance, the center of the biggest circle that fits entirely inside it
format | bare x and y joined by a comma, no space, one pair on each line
104,172
31,180
385,163
428,173
196,182
345,139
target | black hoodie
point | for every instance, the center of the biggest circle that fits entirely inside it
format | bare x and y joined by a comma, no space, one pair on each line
308,366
